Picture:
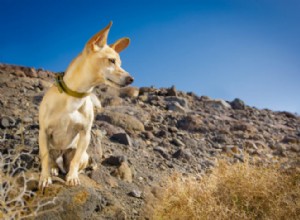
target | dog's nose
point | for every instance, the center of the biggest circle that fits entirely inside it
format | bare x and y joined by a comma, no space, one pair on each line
129,80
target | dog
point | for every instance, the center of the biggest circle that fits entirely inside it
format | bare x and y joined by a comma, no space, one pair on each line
66,112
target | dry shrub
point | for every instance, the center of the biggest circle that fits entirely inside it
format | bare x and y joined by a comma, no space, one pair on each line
238,191
17,200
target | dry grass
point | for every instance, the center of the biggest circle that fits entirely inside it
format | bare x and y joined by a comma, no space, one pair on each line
239,191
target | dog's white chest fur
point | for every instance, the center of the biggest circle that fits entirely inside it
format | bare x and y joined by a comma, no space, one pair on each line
63,133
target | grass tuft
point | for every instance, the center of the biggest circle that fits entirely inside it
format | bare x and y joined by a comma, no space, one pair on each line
238,191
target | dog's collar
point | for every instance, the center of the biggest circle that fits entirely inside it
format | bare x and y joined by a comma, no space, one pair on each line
62,87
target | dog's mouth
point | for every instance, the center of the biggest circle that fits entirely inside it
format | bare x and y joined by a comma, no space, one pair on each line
113,83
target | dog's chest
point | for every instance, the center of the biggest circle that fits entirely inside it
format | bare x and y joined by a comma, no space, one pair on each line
65,132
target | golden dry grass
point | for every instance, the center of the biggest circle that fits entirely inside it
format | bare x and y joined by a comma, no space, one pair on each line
239,191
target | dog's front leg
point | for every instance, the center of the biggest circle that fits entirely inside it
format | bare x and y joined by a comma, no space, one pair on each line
83,142
45,178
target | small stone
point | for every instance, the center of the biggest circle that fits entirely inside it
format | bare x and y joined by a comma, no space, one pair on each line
7,122
217,104
31,72
289,139
112,101
182,154
10,85
115,160
129,91
27,120
295,148
251,145
135,193
162,152
19,73
143,98
171,91
176,107
240,157
189,122
231,149
124,172
178,142
149,135
122,138
237,104
182,101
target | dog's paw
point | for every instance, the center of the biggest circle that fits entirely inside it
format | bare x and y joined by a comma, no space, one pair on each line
72,180
45,181
54,171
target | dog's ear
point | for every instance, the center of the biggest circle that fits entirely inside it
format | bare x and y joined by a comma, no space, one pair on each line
120,44
98,40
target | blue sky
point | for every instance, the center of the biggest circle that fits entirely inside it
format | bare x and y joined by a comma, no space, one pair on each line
219,48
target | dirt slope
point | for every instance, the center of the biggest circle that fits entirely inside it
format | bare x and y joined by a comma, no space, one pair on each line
143,139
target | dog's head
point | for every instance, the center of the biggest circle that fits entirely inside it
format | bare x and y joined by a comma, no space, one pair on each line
103,61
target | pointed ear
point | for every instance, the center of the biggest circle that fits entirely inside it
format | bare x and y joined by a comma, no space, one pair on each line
120,44
99,39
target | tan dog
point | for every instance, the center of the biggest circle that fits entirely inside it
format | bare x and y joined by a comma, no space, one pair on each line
66,113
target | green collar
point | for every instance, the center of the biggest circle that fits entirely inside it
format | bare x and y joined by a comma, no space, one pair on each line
62,87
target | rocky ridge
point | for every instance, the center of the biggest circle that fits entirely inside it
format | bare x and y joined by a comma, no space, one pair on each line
146,134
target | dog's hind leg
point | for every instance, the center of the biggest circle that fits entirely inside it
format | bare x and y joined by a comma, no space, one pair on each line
84,161
69,155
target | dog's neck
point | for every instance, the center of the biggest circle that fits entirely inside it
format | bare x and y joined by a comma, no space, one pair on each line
77,77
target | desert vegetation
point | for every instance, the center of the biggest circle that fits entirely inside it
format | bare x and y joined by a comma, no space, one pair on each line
233,191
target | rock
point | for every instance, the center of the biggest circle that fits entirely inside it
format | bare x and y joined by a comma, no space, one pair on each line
115,160
162,152
112,101
144,90
109,128
27,120
231,149
129,91
7,122
19,73
189,123
241,126
288,114
171,91
182,101
79,202
95,149
176,107
41,73
222,139
31,72
237,104
289,139
122,138
127,122
143,98
217,104
178,142
295,148
124,172
135,193
182,154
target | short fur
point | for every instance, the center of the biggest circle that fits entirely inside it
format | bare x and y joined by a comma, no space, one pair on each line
66,121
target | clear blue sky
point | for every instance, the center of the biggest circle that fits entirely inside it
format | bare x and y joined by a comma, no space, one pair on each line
225,49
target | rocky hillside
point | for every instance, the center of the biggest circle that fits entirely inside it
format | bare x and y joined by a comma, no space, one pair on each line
146,134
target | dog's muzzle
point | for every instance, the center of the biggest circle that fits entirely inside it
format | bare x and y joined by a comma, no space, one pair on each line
128,80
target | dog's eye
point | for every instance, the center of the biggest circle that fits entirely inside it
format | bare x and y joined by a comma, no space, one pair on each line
113,61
